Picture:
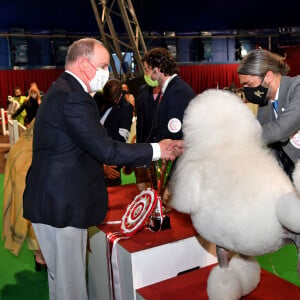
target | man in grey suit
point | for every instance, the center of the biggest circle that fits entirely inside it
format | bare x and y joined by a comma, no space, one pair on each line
65,190
263,75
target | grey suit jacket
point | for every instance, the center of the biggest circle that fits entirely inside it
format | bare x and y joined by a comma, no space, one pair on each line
283,129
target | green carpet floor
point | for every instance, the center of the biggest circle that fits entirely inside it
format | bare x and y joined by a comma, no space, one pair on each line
20,281
18,278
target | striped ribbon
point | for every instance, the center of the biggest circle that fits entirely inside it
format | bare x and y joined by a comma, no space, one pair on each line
112,239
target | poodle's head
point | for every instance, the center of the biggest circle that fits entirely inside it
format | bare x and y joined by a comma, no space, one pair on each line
218,115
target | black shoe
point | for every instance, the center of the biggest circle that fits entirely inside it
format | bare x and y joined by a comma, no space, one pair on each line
38,266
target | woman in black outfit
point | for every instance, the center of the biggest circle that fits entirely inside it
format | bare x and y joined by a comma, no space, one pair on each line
31,105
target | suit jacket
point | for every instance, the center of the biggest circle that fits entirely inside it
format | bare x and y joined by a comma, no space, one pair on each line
280,130
173,103
65,183
146,114
120,116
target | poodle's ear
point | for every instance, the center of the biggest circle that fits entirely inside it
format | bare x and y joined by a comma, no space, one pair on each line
185,187
287,210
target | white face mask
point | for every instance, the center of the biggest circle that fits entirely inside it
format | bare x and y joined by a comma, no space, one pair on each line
98,82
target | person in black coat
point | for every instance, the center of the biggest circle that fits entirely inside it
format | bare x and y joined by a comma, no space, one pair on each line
174,97
116,117
65,190
160,103
147,105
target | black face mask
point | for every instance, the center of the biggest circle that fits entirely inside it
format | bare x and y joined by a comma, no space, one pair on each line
256,95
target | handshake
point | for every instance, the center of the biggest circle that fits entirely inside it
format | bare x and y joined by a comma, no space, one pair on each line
170,149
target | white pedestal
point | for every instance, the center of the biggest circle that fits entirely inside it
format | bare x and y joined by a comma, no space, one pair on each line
142,268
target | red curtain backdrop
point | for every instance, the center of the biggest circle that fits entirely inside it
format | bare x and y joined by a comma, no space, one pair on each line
202,77
9,79
293,59
199,77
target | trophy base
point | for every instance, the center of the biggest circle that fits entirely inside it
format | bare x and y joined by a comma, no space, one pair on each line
155,223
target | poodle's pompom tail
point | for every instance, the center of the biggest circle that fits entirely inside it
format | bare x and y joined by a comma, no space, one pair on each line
240,278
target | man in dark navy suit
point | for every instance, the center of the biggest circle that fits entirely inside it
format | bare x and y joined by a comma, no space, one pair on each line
65,190
174,97
161,103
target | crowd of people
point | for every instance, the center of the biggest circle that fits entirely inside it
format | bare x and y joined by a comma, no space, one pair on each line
86,128
23,108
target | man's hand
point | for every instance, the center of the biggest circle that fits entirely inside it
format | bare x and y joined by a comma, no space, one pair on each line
111,172
170,149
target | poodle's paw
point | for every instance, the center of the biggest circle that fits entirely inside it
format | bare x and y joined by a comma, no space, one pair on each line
248,271
223,283
240,278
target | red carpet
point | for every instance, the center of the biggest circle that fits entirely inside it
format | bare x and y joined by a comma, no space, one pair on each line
192,285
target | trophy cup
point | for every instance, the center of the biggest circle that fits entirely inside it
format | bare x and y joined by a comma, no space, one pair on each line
147,207
158,219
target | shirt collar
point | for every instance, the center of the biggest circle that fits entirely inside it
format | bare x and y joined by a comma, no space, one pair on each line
276,96
164,87
277,93
79,80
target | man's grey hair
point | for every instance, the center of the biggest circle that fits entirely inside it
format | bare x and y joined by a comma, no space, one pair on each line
259,61
83,47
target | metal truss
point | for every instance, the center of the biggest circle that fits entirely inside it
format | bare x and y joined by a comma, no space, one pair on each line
120,33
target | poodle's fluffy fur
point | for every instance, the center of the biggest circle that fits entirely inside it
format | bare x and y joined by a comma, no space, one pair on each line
230,183
296,176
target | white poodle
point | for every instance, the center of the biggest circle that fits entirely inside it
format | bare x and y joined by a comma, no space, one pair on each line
236,193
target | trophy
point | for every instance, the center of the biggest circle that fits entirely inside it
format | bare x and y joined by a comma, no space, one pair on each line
147,208
158,219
